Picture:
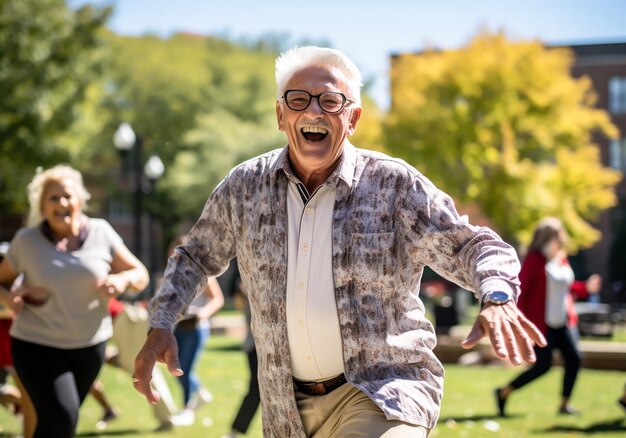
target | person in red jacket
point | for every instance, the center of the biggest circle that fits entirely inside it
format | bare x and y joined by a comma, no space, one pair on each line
547,297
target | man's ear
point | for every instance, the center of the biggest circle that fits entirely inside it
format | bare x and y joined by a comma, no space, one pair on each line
354,120
279,116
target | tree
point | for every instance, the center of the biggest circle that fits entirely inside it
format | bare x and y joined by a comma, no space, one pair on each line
503,126
237,123
369,131
201,103
48,61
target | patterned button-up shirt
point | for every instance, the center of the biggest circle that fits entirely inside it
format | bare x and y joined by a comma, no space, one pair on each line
389,222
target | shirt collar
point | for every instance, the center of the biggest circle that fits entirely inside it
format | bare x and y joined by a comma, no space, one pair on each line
344,170
83,232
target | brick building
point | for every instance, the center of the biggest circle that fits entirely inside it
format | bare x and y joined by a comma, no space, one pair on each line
605,65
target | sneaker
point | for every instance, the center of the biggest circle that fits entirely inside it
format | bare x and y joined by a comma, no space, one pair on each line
186,417
200,398
568,410
500,402
108,416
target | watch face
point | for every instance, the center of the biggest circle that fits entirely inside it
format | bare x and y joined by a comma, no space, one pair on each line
498,297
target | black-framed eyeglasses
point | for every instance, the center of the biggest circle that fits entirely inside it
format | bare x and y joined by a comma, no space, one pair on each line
330,101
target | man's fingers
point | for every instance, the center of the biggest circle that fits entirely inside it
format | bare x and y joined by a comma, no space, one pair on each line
497,339
144,364
144,387
173,365
526,345
511,340
474,336
534,333
160,345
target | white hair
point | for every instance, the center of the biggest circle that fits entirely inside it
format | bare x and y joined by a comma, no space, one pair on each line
42,178
292,60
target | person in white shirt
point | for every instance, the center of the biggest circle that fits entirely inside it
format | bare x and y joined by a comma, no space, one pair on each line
548,286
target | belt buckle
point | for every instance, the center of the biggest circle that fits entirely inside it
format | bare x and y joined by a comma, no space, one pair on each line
319,388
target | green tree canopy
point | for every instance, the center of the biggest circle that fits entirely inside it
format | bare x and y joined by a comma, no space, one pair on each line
48,59
201,103
504,127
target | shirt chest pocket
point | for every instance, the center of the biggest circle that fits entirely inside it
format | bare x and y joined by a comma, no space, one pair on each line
372,255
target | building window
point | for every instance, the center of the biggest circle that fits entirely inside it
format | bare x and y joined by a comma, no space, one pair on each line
617,94
617,154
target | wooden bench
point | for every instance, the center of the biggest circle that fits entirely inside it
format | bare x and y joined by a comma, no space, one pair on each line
604,355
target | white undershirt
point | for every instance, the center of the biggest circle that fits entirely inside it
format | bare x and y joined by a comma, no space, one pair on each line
559,279
312,321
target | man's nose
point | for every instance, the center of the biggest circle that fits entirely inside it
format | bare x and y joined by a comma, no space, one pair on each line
315,107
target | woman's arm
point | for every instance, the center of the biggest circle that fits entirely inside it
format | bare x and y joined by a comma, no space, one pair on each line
8,298
127,274
216,299
582,289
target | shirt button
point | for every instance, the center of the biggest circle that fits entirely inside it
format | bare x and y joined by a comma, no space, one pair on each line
305,246
308,210
308,357
300,323
300,285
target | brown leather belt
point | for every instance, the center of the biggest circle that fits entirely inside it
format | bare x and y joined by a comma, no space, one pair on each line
319,388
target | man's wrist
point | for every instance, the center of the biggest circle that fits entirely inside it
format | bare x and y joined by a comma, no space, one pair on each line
496,297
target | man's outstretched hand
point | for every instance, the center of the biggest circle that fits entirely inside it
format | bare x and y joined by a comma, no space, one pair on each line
160,346
511,334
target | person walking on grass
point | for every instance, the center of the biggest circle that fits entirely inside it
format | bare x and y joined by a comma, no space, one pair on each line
192,332
548,289
71,265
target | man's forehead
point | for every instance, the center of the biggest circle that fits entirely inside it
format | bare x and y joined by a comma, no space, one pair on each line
318,75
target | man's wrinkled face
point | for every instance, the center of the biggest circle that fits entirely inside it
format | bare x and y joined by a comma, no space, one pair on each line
316,137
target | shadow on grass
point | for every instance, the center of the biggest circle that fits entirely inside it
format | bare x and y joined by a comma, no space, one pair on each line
228,348
463,418
112,432
618,424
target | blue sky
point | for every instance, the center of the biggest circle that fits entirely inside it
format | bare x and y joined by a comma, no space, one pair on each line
370,31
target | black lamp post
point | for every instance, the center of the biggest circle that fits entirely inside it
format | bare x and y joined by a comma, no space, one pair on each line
153,170
126,141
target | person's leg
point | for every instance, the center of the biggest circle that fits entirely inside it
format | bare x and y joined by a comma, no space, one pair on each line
129,333
109,411
198,394
165,408
566,343
250,402
85,366
29,417
45,373
540,367
186,340
347,412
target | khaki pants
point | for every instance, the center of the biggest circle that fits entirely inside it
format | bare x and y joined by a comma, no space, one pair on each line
130,329
348,413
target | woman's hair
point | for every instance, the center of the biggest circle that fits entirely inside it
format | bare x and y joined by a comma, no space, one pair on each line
42,178
292,60
546,230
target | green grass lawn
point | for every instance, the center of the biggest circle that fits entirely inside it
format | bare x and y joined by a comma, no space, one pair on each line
468,408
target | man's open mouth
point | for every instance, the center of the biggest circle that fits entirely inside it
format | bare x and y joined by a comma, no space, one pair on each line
314,133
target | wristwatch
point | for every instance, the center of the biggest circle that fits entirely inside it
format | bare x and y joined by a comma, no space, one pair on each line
496,297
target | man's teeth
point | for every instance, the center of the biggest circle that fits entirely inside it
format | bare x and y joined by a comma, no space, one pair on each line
314,130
